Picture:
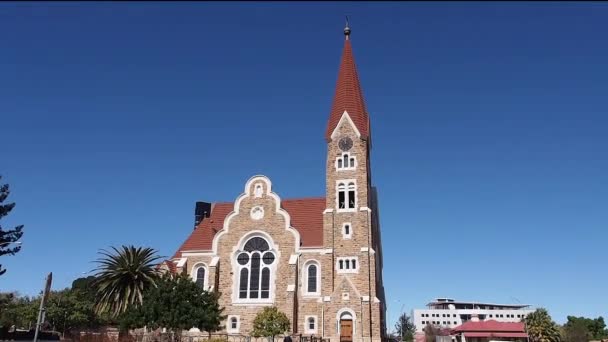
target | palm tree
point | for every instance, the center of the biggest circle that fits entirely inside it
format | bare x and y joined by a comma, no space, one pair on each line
541,328
123,276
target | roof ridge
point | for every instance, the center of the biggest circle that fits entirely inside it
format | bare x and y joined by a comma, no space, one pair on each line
348,96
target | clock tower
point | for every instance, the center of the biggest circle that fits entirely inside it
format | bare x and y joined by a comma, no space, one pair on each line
351,229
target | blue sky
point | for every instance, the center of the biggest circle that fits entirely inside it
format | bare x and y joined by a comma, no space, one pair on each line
489,123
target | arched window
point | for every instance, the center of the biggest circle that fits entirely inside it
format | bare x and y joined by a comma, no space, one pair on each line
347,198
254,269
199,273
233,324
312,276
345,162
347,230
310,325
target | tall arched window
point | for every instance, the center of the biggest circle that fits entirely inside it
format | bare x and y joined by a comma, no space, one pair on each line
198,275
347,197
254,269
312,276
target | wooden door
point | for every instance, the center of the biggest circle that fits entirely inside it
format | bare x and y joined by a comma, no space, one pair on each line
346,330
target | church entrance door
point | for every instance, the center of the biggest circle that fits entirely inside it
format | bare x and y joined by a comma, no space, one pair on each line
346,330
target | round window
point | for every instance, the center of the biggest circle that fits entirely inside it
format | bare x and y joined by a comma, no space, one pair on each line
243,258
268,258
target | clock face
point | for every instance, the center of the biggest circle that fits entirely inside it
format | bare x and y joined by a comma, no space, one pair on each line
345,143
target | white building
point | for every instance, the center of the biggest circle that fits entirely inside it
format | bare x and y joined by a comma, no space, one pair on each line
448,313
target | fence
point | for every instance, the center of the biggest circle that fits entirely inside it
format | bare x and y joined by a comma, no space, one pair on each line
187,337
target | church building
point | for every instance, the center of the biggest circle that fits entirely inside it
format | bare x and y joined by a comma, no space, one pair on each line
318,260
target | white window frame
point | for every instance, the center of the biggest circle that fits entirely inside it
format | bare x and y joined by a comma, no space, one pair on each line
350,230
348,156
345,183
229,328
350,269
307,330
194,274
237,275
306,293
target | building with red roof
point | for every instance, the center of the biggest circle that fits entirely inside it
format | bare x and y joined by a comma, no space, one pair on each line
490,330
319,260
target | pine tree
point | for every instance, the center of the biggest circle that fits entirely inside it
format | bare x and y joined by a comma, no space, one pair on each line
8,237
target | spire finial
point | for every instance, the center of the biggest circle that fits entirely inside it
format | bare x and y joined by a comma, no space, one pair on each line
347,29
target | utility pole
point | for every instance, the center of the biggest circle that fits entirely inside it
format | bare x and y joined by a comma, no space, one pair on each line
41,311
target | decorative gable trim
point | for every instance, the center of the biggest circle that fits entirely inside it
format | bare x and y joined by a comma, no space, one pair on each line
247,193
345,117
347,280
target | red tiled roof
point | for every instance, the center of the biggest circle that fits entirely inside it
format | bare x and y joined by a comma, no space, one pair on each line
494,334
306,216
490,326
348,96
170,264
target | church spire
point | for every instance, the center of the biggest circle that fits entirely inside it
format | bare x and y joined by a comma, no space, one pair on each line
348,96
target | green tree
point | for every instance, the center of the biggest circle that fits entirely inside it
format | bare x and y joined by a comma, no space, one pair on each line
10,236
122,278
575,331
541,328
405,327
595,328
176,303
18,311
71,309
270,322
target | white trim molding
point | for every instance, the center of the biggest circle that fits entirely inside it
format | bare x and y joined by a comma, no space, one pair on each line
194,273
229,325
365,209
267,186
305,291
272,268
346,313
368,250
196,253
181,262
346,185
328,210
345,264
312,250
315,322
214,261
345,117
345,158
347,235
